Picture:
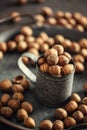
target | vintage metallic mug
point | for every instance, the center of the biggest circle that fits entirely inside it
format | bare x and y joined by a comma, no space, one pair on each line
49,90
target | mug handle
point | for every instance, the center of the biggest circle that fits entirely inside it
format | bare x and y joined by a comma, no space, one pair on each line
25,69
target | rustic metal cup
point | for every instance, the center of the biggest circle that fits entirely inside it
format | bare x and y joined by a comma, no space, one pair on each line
50,91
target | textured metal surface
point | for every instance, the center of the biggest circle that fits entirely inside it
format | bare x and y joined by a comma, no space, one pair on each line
9,69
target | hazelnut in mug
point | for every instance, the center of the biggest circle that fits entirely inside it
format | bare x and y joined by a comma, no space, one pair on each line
55,73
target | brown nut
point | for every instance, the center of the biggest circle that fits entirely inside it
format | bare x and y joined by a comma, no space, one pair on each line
84,100
83,108
67,55
5,85
75,47
44,36
14,104
85,119
59,39
68,15
6,112
69,122
52,59
67,69
77,15
34,51
60,113
51,21
59,14
59,49
50,51
47,11
46,125
22,46
18,96
25,60
55,70
26,30
63,60
83,52
15,16
72,21
1,55
83,43
3,47
17,88
44,47
39,18
71,106
29,122
22,114
66,43
25,83
5,98
30,39
85,87
76,97
44,67
39,40
78,116
27,106
19,37
58,125
79,67
11,45
41,60
79,58
63,21
17,79
79,27
50,41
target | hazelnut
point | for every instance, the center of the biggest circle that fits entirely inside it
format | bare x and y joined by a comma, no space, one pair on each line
47,11
1,104
63,60
72,21
50,51
83,52
14,104
63,21
59,14
83,43
79,28
18,79
44,36
17,88
55,70
66,43
46,125
85,87
6,112
59,39
5,98
15,16
3,47
69,122
5,85
1,55
39,40
67,69
25,83
85,119
76,97
27,106
18,96
30,39
59,49
41,61
50,41
79,67
11,45
77,15
22,114
69,26
83,21
71,106
84,100
78,116
34,45
79,58
67,15
75,47
44,47
34,51
44,67
52,59
19,37
25,60
51,21
26,30
67,55
60,113
22,46
83,108
29,122
58,125
39,18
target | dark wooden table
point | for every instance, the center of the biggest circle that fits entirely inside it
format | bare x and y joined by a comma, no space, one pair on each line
7,6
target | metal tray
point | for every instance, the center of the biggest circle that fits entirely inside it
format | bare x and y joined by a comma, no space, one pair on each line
9,69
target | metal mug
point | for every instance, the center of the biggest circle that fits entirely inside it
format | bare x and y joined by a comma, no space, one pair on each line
50,91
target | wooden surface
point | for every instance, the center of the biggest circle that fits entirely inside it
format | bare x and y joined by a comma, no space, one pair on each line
7,6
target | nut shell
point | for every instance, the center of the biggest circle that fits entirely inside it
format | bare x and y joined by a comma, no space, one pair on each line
69,121
5,85
63,60
46,125
58,125
67,69
6,112
14,104
22,114
18,95
29,122
5,98
52,59
55,70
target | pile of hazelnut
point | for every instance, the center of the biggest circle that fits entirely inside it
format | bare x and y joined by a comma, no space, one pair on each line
13,101
56,62
74,112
